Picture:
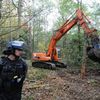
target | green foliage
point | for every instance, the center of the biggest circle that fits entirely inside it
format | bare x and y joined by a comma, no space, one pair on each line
67,7
73,49
37,74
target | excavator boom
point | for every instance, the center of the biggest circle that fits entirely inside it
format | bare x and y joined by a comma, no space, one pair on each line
80,19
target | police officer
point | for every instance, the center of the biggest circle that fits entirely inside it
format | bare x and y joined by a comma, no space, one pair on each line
12,71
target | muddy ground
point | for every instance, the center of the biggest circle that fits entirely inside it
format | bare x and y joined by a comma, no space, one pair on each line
60,85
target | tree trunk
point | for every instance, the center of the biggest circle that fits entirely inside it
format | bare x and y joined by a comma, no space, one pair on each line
19,9
83,68
0,8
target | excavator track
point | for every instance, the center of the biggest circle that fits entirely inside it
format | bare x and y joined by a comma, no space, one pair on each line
45,65
59,64
49,65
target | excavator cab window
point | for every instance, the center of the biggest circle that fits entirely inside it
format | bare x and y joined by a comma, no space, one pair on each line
58,52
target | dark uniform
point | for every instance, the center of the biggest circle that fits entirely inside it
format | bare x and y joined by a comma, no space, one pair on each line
12,75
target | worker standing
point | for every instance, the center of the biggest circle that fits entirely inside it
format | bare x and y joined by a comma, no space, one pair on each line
13,71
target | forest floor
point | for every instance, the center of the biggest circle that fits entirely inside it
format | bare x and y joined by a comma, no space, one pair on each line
42,84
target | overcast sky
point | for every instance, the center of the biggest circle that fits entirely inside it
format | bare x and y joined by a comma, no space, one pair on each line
53,16
89,2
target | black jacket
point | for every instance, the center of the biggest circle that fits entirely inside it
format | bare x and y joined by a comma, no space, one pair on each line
12,74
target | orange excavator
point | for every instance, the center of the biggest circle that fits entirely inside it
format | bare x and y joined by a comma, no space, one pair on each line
50,59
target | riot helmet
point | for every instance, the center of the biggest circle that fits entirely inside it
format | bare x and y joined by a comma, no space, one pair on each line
12,46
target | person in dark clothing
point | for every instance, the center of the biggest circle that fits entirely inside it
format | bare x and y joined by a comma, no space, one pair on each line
13,71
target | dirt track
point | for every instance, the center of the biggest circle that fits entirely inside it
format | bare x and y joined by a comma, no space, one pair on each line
61,85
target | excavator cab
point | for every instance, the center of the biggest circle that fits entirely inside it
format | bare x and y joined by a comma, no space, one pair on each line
41,60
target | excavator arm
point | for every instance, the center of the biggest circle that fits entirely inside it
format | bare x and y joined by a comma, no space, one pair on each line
80,19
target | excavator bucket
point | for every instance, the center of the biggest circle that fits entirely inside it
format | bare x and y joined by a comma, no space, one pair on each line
94,51
93,54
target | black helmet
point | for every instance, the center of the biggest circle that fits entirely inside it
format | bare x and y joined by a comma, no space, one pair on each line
12,46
